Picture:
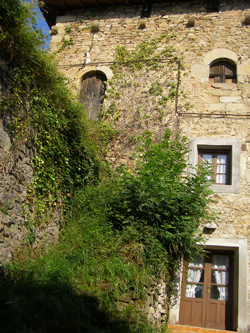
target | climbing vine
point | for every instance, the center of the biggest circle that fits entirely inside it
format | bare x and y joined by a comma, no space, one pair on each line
45,118
144,86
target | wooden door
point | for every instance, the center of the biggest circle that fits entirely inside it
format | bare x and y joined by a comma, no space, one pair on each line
207,291
92,94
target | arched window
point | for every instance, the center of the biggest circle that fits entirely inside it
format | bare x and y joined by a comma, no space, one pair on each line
92,93
222,71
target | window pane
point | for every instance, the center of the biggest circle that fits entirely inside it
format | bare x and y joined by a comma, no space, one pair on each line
197,261
220,261
222,159
207,158
194,291
207,161
219,293
195,275
219,277
221,179
221,168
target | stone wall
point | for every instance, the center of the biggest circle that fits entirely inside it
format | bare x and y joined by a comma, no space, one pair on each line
16,169
199,109
155,304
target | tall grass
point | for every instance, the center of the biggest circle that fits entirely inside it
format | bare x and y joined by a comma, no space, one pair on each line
60,289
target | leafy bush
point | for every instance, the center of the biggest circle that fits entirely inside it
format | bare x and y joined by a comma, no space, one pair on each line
163,200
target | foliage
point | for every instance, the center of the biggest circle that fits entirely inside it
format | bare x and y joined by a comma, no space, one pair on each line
61,289
66,43
45,116
144,85
16,36
143,55
58,288
162,200
120,234
68,30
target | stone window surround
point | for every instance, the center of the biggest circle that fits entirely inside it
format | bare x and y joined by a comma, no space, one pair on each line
217,143
92,70
239,246
222,71
98,69
201,72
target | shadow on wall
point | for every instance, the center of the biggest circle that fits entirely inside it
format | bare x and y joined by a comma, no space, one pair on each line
31,303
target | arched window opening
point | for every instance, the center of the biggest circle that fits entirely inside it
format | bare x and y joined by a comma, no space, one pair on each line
92,93
222,71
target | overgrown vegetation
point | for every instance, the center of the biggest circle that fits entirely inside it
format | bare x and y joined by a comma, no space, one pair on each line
44,115
162,201
150,73
119,230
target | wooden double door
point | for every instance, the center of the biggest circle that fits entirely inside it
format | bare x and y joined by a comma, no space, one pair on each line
207,291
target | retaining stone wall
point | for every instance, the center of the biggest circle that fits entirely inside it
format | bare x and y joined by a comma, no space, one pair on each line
155,305
16,170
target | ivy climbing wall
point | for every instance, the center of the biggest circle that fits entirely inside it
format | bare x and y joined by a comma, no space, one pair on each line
17,173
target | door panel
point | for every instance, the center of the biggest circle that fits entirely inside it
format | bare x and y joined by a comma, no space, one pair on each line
92,94
206,301
216,315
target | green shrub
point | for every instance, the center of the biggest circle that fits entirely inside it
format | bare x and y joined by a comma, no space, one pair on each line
163,200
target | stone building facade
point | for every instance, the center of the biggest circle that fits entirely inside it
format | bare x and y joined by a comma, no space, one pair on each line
178,89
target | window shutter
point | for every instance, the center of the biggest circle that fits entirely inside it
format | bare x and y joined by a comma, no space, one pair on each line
222,71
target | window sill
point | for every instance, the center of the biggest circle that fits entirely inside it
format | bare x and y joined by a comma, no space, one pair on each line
223,86
225,188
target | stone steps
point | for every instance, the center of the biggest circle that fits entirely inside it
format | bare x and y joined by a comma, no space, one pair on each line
193,329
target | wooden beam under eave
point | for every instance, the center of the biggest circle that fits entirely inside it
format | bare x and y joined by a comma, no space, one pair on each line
65,6
112,2
47,9
127,2
81,4
96,3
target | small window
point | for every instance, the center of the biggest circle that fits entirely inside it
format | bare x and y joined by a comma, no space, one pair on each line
223,156
220,163
222,71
